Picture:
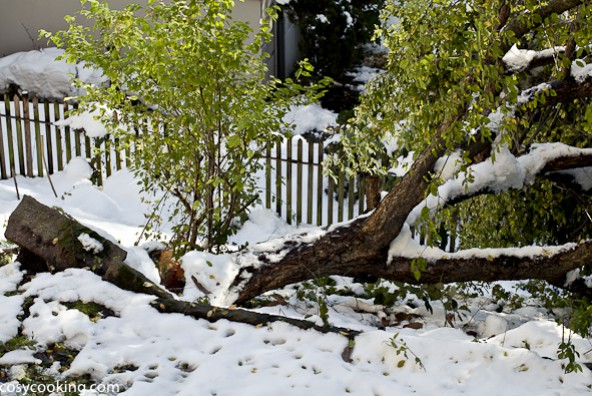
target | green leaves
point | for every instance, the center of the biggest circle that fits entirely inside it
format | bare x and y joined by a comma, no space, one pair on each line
191,81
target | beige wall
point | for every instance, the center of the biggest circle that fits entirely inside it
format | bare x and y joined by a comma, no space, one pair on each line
18,16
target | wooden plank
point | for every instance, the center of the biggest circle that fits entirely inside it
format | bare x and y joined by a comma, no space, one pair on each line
320,189
299,196
77,142
48,139
9,134
340,194
59,145
28,137
361,194
351,197
107,154
67,134
38,145
309,189
19,136
87,147
116,148
278,178
330,199
3,157
98,165
289,181
268,175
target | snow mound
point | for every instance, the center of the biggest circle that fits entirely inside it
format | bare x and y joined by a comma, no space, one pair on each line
39,73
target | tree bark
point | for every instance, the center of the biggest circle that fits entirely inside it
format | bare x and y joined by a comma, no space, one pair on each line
48,240
355,250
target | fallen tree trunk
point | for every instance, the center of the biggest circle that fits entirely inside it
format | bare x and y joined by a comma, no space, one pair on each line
50,240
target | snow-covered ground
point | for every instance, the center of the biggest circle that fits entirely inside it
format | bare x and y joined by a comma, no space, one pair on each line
145,352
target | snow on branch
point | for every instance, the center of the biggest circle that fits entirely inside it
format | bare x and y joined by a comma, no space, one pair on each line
404,246
522,23
507,172
518,60
550,263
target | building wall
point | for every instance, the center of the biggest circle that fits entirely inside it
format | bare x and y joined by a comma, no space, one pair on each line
20,20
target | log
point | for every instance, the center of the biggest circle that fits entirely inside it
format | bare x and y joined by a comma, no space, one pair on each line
49,241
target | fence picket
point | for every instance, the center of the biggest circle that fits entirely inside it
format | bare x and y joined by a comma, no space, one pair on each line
361,194
289,181
107,153
310,186
38,146
67,134
19,135
3,148
56,115
10,136
340,194
278,179
301,192
299,182
330,199
268,175
320,185
351,197
28,138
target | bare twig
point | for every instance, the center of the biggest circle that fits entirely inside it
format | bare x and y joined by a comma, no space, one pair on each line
35,46
18,196
45,166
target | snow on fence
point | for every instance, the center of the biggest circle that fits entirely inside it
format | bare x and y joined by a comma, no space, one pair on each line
31,144
292,181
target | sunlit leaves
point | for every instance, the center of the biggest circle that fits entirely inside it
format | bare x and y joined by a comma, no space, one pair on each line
193,80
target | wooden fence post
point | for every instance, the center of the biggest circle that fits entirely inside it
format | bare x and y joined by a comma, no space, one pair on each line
56,116
289,181
320,190
19,136
67,135
299,182
49,157
268,175
278,179
3,148
9,134
311,169
38,144
28,138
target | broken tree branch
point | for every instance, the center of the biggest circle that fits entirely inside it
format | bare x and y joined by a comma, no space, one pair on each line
48,240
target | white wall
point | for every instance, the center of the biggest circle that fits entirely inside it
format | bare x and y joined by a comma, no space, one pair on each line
18,16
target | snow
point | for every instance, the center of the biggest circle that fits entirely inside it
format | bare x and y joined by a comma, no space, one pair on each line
39,73
311,117
580,70
406,246
518,60
322,18
500,174
174,354
90,244
88,121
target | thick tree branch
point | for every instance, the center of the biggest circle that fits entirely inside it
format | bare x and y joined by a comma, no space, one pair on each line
568,91
523,23
529,59
48,240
